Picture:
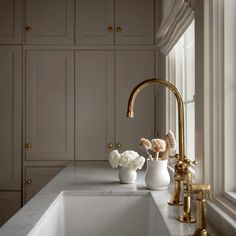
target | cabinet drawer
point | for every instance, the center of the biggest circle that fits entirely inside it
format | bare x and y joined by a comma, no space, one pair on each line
10,203
36,177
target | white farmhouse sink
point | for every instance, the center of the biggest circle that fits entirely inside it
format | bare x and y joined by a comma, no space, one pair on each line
101,214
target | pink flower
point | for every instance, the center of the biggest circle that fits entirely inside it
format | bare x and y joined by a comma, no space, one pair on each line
158,145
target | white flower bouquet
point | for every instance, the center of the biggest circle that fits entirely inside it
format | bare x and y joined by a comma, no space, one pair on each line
130,159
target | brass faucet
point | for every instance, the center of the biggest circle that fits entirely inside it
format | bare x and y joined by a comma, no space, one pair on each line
182,172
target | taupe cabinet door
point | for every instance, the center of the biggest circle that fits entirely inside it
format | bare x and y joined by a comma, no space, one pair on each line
95,21
10,118
49,105
119,21
103,86
10,21
10,203
94,104
134,21
36,177
49,22
133,67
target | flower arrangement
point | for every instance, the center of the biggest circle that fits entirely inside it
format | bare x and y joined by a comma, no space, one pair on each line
156,146
130,159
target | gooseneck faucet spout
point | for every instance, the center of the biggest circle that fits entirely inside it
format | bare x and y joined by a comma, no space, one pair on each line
174,90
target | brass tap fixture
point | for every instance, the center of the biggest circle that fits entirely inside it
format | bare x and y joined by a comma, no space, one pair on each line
182,173
202,191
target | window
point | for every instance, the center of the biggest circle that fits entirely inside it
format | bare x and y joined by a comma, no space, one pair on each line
230,98
220,102
181,72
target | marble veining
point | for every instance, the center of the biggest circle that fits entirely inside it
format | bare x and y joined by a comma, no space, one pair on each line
91,178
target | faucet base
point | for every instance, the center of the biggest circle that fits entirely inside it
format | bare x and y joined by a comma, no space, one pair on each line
174,203
186,219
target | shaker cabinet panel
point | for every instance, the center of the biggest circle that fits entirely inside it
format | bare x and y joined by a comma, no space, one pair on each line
10,21
94,104
49,105
10,203
36,177
134,21
10,118
119,21
95,21
49,22
132,67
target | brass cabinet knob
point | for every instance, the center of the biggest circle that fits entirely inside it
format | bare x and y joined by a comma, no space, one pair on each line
118,145
110,145
28,28
28,181
28,145
110,29
118,29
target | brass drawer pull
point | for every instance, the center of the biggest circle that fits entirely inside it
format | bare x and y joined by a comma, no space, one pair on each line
110,145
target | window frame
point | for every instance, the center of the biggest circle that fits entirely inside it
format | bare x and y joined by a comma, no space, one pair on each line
214,164
209,90
176,69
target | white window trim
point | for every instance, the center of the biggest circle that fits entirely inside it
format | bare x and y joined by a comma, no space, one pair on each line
172,71
214,104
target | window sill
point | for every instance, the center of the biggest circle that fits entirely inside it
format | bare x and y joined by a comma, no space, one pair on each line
231,196
222,216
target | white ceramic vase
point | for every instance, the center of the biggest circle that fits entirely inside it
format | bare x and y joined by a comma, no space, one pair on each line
157,176
127,176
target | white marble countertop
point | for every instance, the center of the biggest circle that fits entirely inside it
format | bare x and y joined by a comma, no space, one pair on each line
92,176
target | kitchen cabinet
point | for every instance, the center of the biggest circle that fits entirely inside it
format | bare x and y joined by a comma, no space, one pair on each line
134,21
10,118
132,67
115,21
10,21
49,22
95,21
49,105
60,101
36,177
94,104
104,81
10,203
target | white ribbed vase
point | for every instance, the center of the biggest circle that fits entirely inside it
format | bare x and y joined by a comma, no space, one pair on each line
157,176
127,176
